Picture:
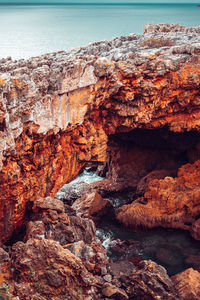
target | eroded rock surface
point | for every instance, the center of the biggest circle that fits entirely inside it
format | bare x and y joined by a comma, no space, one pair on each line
58,110
146,281
168,202
188,284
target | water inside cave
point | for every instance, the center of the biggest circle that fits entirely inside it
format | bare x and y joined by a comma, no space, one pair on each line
174,249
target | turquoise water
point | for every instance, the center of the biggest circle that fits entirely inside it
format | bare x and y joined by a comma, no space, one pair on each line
27,30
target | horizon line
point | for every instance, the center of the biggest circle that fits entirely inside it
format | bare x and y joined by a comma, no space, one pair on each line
98,3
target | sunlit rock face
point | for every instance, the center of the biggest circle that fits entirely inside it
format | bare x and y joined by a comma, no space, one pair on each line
57,111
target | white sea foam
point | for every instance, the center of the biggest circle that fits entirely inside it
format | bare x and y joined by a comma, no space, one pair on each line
74,187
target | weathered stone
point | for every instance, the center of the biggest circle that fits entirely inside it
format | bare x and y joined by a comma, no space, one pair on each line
110,291
149,281
155,28
93,256
48,203
187,284
4,256
144,182
42,264
91,206
57,110
169,202
83,229
195,230
35,230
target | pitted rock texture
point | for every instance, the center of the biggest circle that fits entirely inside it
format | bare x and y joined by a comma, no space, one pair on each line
44,266
148,281
57,110
187,284
156,28
169,202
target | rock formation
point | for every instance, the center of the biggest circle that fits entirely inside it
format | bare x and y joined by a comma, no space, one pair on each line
57,111
168,202
131,105
187,284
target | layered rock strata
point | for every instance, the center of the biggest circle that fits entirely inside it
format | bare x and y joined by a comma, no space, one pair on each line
58,110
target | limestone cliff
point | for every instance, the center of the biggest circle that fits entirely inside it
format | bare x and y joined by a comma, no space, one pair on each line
57,111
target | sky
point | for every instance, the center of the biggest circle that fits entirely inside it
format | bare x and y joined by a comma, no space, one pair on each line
99,1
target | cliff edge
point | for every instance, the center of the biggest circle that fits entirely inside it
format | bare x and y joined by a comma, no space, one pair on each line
57,111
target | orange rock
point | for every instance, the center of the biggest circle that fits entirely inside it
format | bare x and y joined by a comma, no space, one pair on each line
91,205
169,202
187,284
57,111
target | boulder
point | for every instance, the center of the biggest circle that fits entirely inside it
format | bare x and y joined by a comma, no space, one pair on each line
187,284
149,280
169,202
195,230
49,269
91,206
48,203
112,291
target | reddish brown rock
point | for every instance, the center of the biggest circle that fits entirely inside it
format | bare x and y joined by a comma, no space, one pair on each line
148,281
92,206
157,174
93,256
195,230
83,229
187,284
112,291
169,202
48,203
58,110
50,270
50,222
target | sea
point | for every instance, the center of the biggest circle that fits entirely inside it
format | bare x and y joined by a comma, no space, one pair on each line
31,30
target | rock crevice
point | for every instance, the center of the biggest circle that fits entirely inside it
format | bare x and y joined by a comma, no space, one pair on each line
58,110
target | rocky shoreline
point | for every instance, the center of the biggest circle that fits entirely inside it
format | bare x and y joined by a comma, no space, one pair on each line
130,109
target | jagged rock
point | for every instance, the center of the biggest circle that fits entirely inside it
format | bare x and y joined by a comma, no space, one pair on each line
50,222
83,229
91,206
149,281
70,192
57,111
25,291
4,256
121,267
156,174
112,291
81,250
156,28
35,230
169,202
49,269
93,256
187,284
195,230
48,203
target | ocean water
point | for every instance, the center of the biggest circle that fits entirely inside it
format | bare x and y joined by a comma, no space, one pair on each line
27,30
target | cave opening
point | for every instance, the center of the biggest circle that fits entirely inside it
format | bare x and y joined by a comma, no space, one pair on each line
136,157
